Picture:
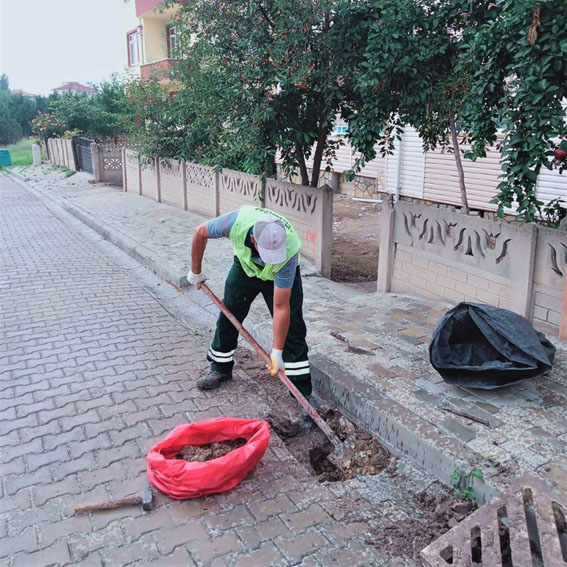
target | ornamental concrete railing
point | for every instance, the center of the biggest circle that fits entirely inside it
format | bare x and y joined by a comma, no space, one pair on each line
443,254
60,152
201,189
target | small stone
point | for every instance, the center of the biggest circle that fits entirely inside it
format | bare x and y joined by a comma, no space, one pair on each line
461,508
452,523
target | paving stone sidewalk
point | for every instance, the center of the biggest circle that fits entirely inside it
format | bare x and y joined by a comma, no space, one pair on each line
94,371
392,390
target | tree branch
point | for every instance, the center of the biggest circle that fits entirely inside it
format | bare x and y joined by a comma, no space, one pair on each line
265,14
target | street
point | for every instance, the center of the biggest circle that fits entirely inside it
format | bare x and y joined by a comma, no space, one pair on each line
94,372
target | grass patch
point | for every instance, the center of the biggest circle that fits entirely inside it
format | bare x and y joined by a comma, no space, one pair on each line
21,152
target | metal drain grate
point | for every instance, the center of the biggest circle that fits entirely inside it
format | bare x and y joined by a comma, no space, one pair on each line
524,527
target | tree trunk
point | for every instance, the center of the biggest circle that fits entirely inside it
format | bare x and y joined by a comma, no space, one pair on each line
302,167
456,149
318,157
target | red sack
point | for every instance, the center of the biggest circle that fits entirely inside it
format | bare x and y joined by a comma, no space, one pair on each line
181,479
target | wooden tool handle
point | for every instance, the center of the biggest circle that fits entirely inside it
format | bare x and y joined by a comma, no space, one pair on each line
110,505
330,434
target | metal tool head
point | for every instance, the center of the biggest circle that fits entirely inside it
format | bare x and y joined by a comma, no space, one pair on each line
147,499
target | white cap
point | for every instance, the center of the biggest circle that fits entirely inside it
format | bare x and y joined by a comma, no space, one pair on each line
270,236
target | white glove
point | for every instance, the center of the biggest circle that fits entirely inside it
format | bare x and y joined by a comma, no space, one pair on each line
277,362
196,279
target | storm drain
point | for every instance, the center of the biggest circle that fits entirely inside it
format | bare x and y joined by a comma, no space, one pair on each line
524,527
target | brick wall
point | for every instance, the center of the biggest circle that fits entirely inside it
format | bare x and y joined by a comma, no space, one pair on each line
420,273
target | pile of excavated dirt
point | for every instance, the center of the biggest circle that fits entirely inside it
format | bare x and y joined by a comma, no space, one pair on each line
309,444
434,515
209,452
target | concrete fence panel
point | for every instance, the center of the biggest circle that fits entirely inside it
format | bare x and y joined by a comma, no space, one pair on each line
202,189
149,180
444,254
107,163
310,211
71,162
132,172
61,153
172,182
237,189
53,150
50,150
549,274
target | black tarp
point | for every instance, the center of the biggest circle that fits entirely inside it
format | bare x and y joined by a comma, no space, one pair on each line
480,346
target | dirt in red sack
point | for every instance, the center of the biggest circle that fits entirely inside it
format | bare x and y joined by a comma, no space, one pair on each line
209,452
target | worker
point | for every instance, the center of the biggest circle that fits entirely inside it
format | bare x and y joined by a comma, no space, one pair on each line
266,261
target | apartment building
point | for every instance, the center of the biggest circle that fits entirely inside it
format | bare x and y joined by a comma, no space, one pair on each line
150,42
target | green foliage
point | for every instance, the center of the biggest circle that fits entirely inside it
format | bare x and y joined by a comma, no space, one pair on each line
70,134
285,70
10,129
462,483
47,126
16,113
518,61
103,115
21,152
186,119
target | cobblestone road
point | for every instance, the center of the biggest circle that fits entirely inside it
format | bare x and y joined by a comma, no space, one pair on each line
93,372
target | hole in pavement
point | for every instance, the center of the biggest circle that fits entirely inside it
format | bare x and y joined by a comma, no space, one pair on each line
310,446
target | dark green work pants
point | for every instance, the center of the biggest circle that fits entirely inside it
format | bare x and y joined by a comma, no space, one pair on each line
240,291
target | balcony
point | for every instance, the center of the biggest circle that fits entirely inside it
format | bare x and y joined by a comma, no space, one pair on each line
148,9
144,6
161,68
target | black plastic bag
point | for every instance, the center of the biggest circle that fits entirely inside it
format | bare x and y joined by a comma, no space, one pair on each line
480,346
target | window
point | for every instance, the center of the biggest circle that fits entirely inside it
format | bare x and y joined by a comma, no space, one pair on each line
133,48
340,129
173,46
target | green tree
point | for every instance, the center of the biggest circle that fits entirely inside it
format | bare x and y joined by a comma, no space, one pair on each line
10,129
24,110
103,115
518,63
4,82
412,75
286,67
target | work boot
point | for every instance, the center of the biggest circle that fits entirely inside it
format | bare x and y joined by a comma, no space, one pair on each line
213,380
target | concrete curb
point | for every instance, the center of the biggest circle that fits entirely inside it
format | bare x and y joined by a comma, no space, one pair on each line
400,430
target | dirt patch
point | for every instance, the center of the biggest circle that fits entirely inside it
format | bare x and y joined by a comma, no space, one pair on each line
434,515
209,452
356,236
306,441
